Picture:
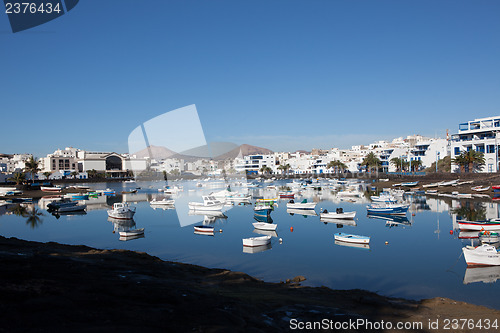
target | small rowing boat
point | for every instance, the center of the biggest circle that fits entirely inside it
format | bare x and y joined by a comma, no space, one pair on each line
350,238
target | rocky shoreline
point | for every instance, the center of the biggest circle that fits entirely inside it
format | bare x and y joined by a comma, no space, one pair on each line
54,287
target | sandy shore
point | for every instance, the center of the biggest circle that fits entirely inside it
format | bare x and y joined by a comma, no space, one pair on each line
49,287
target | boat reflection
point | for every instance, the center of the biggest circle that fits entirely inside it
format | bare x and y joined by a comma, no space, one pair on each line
124,239
468,234
482,274
355,245
303,212
391,220
263,218
271,233
256,249
121,225
208,217
339,222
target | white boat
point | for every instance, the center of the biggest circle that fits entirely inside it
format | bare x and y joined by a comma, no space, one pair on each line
264,226
430,185
204,229
355,245
489,225
338,221
121,210
266,232
132,232
163,202
484,255
384,197
50,189
338,214
72,208
350,238
480,188
300,205
210,203
449,183
256,241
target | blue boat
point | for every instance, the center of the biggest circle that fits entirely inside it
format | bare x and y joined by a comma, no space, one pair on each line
263,217
410,184
80,197
388,209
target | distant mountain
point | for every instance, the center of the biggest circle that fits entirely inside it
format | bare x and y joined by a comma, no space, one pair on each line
217,148
155,152
245,151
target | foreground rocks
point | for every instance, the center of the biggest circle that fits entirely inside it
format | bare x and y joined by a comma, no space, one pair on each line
49,287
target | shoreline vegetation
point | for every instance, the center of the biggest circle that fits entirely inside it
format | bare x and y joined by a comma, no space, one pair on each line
55,287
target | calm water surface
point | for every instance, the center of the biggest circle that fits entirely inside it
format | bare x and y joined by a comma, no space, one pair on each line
421,260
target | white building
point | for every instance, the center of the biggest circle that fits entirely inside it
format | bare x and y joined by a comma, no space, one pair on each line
480,135
253,163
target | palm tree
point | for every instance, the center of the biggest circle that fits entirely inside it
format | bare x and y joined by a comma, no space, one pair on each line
469,161
74,174
416,164
266,170
92,173
47,174
284,168
338,165
31,166
398,163
18,178
371,160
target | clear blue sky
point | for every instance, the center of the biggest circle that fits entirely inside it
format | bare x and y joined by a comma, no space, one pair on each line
284,75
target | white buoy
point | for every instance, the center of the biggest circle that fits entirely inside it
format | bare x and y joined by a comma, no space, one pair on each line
281,240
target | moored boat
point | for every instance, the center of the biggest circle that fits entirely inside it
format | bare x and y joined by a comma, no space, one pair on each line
389,209
410,184
209,203
480,188
164,202
205,229
132,232
287,195
487,236
484,255
50,189
300,205
338,214
72,208
121,210
256,241
350,238
479,225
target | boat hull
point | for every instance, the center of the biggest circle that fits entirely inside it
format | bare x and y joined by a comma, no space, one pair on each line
132,233
348,238
256,241
485,255
298,205
346,215
478,226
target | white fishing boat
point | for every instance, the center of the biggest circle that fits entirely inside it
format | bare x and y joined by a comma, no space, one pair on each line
210,203
121,210
132,232
338,214
264,226
350,238
449,183
301,205
163,202
256,241
484,255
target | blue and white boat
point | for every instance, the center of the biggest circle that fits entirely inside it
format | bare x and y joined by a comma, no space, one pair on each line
388,209
350,238
410,184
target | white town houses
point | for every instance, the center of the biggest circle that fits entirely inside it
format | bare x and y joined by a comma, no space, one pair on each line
480,135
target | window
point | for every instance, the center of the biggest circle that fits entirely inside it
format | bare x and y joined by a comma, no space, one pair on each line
480,149
457,150
490,149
